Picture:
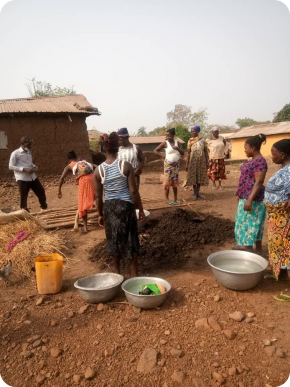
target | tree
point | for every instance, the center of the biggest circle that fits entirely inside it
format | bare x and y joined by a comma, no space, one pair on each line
180,115
142,132
244,122
182,132
38,89
283,114
160,131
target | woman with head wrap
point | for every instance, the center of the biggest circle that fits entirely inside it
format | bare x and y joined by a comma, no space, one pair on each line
216,167
173,151
251,212
83,172
277,200
197,162
117,180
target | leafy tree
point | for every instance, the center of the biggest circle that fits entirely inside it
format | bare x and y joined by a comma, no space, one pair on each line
142,132
244,122
182,132
160,131
283,114
180,115
224,128
38,89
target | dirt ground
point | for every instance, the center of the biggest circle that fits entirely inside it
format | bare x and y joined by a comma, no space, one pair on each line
65,342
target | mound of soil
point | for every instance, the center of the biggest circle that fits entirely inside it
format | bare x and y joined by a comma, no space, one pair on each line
171,237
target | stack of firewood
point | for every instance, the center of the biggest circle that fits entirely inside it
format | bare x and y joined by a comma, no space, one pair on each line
63,217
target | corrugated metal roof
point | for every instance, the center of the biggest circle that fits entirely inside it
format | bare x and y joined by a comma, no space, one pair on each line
77,104
227,134
151,140
267,129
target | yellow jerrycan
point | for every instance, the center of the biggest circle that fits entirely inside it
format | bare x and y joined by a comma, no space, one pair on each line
49,273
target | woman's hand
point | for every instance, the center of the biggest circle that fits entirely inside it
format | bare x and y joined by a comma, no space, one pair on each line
59,194
248,205
141,215
287,205
101,221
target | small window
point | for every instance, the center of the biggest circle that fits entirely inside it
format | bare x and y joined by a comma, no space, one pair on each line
3,140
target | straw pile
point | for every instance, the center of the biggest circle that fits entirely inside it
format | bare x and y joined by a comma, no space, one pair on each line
23,253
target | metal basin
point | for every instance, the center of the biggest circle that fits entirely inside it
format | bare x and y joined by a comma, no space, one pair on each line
133,286
237,270
100,287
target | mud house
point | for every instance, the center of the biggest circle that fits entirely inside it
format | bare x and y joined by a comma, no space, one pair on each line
273,132
56,125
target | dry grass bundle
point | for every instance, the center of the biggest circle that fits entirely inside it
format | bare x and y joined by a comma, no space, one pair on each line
23,253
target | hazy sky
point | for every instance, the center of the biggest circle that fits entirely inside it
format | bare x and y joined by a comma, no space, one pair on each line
136,59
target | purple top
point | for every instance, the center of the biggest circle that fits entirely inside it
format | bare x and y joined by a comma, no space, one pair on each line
247,178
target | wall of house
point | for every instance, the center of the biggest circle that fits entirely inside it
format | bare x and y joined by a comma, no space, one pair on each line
53,137
238,145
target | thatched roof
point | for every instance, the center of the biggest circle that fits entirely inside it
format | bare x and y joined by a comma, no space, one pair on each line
70,104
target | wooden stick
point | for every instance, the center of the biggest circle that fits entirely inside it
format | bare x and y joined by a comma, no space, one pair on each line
192,209
168,206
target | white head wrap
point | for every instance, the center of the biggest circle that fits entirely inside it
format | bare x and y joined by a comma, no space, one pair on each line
215,128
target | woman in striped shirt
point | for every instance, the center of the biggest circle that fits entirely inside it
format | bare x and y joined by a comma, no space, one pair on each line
117,180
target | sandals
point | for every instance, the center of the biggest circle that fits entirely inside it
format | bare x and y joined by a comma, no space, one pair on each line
273,278
172,203
194,197
283,297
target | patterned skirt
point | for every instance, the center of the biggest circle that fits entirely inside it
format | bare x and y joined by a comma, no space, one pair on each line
249,225
86,194
216,169
278,237
121,228
171,171
197,171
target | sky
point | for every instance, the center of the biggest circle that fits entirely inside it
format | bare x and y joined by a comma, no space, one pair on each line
136,59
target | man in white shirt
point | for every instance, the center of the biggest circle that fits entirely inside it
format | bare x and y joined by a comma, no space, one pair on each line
24,172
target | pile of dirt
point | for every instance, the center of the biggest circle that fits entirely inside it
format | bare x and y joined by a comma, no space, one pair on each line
171,237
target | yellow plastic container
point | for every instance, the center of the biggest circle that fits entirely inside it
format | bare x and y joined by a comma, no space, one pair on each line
49,272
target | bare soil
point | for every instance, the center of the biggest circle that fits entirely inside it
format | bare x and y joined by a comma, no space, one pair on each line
55,343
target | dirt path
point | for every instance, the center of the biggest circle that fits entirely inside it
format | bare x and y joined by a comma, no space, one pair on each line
61,341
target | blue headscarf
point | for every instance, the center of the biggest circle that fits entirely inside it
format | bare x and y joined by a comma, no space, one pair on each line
123,132
197,128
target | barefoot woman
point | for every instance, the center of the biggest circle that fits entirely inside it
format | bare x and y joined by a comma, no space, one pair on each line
117,179
83,172
277,199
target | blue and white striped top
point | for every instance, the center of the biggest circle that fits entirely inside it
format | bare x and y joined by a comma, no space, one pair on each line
114,181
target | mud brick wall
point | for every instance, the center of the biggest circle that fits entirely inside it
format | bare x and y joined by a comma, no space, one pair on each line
53,137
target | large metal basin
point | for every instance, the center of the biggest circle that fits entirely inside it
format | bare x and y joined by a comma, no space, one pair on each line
237,270
100,287
133,286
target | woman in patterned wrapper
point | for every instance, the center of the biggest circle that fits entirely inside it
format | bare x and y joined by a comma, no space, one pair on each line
277,199
116,179
251,212
83,172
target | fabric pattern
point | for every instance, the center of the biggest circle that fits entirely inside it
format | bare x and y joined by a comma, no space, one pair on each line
121,228
216,169
82,168
114,181
86,196
197,168
247,178
130,155
216,148
278,187
171,172
249,225
278,237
